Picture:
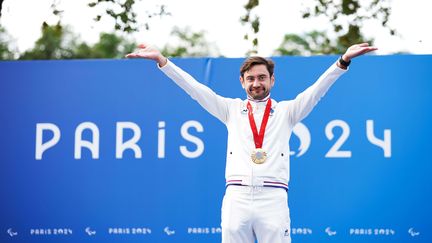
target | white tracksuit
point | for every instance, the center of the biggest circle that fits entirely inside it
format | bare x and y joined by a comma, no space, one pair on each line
256,208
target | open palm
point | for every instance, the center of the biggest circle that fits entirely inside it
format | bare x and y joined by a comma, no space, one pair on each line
148,52
145,51
357,50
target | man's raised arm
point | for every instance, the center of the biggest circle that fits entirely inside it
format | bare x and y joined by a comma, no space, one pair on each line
209,100
305,101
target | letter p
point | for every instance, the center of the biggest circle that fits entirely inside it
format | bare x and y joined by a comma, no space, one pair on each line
41,147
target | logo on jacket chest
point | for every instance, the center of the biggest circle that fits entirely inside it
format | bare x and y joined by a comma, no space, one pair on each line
244,111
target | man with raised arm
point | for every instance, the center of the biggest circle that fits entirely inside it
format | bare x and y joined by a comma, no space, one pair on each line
255,203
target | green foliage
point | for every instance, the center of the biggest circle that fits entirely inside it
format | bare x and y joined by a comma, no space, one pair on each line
57,42
110,45
190,44
347,18
125,20
5,52
311,43
50,45
253,22
124,16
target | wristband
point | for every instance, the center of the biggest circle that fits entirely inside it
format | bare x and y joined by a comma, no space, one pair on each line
344,63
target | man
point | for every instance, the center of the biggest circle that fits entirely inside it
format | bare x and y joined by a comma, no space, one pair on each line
257,166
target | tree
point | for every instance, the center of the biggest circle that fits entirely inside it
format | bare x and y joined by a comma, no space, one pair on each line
1,5
123,14
347,18
51,45
57,42
311,43
110,45
5,52
192,44
253,22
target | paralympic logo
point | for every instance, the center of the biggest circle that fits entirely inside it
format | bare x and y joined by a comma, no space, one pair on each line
89,231
168,231
330,232
11,232
412,232
302,132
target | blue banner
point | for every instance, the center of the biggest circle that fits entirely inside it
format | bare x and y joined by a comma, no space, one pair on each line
114,151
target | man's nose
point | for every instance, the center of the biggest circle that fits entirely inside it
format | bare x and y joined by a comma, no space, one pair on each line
256,83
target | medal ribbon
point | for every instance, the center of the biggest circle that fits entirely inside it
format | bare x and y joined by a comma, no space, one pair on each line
259,138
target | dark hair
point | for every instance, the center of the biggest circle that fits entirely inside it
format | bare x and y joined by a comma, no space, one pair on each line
256,60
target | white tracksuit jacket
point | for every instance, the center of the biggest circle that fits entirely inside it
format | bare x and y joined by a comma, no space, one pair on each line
240,170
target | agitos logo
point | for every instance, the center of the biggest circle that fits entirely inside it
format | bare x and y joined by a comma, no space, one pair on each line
302,132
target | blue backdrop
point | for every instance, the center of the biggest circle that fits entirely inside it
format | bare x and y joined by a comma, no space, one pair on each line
360,164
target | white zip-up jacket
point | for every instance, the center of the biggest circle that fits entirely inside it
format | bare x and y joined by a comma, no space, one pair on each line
240,170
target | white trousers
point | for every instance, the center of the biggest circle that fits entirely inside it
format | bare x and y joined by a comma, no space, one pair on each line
255,213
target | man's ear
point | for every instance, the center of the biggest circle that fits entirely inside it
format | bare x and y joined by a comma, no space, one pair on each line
272,80
242,82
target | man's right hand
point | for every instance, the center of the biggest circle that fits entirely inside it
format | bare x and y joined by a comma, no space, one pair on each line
148,52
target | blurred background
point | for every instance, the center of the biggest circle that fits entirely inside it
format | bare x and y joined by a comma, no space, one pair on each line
55,29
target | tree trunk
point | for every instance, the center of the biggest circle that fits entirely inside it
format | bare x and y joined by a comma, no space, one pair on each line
1,4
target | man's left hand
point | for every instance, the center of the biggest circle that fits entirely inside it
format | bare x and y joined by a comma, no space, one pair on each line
357,50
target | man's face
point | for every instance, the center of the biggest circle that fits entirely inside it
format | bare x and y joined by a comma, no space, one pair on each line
257,82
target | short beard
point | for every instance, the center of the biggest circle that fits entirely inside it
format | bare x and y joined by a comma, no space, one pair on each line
261,96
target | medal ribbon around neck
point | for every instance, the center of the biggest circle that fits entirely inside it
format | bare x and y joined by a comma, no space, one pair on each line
259,137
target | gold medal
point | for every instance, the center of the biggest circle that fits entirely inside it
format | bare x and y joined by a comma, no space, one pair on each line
259,156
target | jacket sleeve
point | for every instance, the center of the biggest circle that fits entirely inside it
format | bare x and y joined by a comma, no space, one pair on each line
207,98
303,104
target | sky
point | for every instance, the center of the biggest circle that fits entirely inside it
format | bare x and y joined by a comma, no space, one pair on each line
220,20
